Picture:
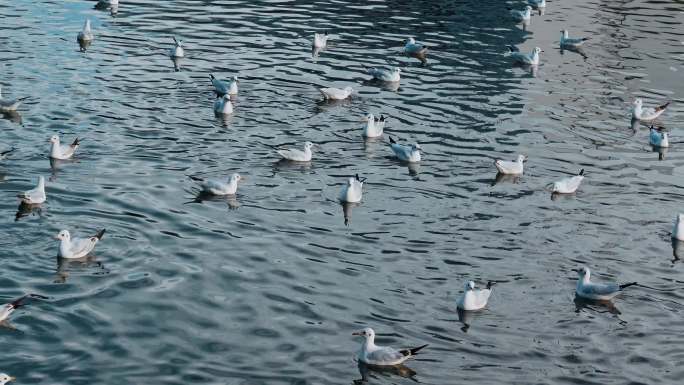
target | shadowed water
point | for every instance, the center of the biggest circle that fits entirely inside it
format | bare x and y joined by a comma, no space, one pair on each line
266,287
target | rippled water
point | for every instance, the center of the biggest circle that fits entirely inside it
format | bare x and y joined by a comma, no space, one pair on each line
267,288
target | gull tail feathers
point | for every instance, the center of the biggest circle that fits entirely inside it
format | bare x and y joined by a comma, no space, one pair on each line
100,234
392,141
512,48
76,143
413,351
664,106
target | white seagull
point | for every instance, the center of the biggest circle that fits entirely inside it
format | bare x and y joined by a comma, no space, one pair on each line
596,291
76,247
521,16
372,354
508,167
4,378
352,191
537,3
472,299
222,87
219,187
413,48
646,114
8,105
336,93
223,105
86,34
410,153
524,58
658,138
320,40
62,151
34,196
678,229
295,155
374,126
385,75
566,41
177,51
568,185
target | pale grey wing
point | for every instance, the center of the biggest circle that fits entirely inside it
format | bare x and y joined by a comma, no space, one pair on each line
600,289
385,355
401,151
573,41
221,87
67,150
333,93
378,73
33,194
482,296
414,48
521,57
82,245
212,184
9,105
292,154
648,112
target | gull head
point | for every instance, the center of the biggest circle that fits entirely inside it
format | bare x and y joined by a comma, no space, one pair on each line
63,235
583,272
564,33
415,147
397,70
308,145
537,50
179,43
411,40
528,8
638,102
4,378
348,89
235,178
235,78
522,158
54,139
470,285
366,333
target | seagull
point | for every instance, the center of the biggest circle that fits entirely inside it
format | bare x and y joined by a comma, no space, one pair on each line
596,291
385,75
222,87
567,42
352,191
568,185
521,16
177,51
658,138
320,40
59,151
523,58
409,153
537,3
374,126
219,187
4,378
223,106
8,105
413,48
646,114
3,154
474,300
678,229
372,354
36,195
298,155
86,35
336,93
71,248
507,167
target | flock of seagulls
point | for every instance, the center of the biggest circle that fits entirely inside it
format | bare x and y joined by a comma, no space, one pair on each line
472,299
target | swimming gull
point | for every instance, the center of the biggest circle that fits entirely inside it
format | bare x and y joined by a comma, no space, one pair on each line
510,167
567,42
374,126
295,155
413,48
223,105
220,187
76,247
35,195
372,354
8,105
658,138
596,291
385,75
568,185
525,58
352,191
320,40
86,34
62,151
521,16
222,87
410,153
646,114
177,51
474,299
336,93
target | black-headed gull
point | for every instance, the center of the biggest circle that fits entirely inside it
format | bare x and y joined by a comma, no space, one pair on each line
220,187
374,126
410,153
385,75
62,151
8,105
5,378
222,87
474,299
567,42
71,248
568,185
531,58
596,291
352,191
521,16
320,40
678,229
223,105
177,51
336,93
413,48
646,114
510,167
658,138
35,195
295,155
86,34
372,354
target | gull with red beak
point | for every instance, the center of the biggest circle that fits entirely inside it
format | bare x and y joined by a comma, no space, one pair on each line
373,354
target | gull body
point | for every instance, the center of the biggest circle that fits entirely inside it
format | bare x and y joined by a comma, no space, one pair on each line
678,229
295,155
219,187
596,291
320,40
508,167
8,105
658,138
568,185
86,34
223,105
177,51
646,114
336,93
372,354
531,58
568,42
5,378
410,153
413,48
474,299
233,86
537,3
62,151
374,126
385,75
352,191
35,195
521,16
71,248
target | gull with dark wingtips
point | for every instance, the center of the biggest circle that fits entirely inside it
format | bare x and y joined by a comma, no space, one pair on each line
596,291
72,248
372,354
